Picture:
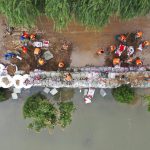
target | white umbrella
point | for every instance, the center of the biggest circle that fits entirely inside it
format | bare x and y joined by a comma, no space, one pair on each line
6,81
27,82
18,81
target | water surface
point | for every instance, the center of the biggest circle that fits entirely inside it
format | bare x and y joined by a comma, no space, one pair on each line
102,125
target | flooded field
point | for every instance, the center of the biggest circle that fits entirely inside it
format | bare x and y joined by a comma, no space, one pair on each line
102,125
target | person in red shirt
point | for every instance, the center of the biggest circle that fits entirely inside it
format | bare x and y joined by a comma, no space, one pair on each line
24,49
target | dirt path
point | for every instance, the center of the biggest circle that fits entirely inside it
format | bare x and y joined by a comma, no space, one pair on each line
2,34
85,42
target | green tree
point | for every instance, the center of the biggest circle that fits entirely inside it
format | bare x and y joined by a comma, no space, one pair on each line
66,109
41,111
94,13
59,11
123,94
4,94
19,12
133,8
45,115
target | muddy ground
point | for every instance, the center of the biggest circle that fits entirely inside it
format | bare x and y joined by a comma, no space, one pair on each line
86,42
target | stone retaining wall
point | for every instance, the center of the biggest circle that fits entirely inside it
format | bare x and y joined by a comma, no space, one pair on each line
96,77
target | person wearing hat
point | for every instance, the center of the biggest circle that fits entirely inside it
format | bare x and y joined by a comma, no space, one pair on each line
99,51
32,37
68,77
61,64
138,34
144,44
41,61
65,46
121,38
138,61
25,35
116,61
37,51
24,49
112,48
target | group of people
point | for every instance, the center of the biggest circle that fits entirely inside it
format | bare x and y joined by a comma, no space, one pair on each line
124,45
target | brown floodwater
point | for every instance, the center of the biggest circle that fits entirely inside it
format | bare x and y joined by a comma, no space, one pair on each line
86,42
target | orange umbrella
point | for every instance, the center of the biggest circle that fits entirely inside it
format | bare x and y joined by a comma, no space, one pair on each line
37,51
41,61
61,65
116,61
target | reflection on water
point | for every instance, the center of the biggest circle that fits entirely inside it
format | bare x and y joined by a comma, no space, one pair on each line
102,125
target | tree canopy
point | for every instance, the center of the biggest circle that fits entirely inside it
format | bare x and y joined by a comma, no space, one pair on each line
92,13
19,12
44,114
123,94
66,110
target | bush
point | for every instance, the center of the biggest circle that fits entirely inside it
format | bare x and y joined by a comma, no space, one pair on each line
123,94
59,11
45,115
19,12
66,110
4,94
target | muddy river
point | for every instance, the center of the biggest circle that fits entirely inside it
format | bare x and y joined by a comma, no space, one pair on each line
102,125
